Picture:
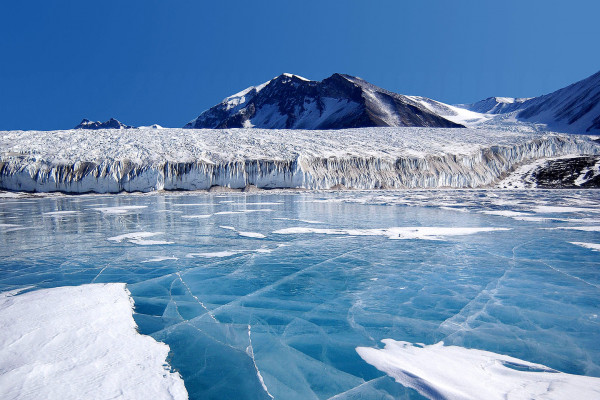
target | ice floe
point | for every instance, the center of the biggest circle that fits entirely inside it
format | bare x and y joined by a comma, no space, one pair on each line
592,246
562,209
160,259
452,372
119,209
255,235
578,228
214,254
61,213
425,233
198,216
139,238
80,342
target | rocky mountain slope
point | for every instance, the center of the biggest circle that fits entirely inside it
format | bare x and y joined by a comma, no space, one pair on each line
110,124
338,102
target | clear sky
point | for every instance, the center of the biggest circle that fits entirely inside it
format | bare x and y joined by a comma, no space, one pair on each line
151,61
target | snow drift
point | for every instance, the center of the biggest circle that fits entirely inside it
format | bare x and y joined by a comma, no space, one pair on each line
111,161
452,372
80,342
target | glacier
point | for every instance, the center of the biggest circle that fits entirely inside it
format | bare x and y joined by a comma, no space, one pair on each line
113,161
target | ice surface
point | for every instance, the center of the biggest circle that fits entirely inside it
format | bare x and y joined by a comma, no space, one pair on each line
80,342
453,372
310,299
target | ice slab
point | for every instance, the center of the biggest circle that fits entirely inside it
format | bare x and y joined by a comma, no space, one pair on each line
139,238
579,228
80,342
452,372
424,233
159,259
592,246
119,209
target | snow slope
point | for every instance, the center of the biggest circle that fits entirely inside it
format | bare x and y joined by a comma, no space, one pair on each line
573,109
148,159
80,342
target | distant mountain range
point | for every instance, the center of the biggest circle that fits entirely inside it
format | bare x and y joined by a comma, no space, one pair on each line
343,101
110,124
573,109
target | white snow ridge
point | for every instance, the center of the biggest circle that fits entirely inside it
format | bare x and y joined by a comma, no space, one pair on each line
80,342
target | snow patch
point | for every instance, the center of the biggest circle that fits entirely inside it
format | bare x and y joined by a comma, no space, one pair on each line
139,238
424,233
453,372
592,246
80,342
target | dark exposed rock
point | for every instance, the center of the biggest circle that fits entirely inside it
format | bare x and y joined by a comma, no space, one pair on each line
110,124
338,102
575,172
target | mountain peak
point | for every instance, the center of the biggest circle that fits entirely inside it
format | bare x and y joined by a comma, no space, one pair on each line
340,101
110,124
572,109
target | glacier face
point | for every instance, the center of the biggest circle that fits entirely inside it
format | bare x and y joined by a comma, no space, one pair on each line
110,161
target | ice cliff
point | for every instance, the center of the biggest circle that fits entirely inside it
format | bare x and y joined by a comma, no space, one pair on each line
110,161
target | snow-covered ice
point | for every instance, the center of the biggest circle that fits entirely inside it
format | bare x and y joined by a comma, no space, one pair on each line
425,233
456,373
592,246
139,238
80,342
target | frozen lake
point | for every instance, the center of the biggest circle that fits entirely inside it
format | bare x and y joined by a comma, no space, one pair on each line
269,295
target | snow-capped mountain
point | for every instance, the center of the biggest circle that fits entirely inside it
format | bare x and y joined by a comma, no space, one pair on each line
340,101
110,124
496,105
573,109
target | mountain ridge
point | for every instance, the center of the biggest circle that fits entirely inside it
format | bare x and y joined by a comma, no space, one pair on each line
340,101
572,109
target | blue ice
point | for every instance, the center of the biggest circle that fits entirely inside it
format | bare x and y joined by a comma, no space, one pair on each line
254,314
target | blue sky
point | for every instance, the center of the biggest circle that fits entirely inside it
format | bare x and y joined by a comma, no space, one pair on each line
146,61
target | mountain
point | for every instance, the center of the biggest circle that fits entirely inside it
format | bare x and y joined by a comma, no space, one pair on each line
110,124
496,105
340,101
573,109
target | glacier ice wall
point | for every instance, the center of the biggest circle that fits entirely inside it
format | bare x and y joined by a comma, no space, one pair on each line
173,159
